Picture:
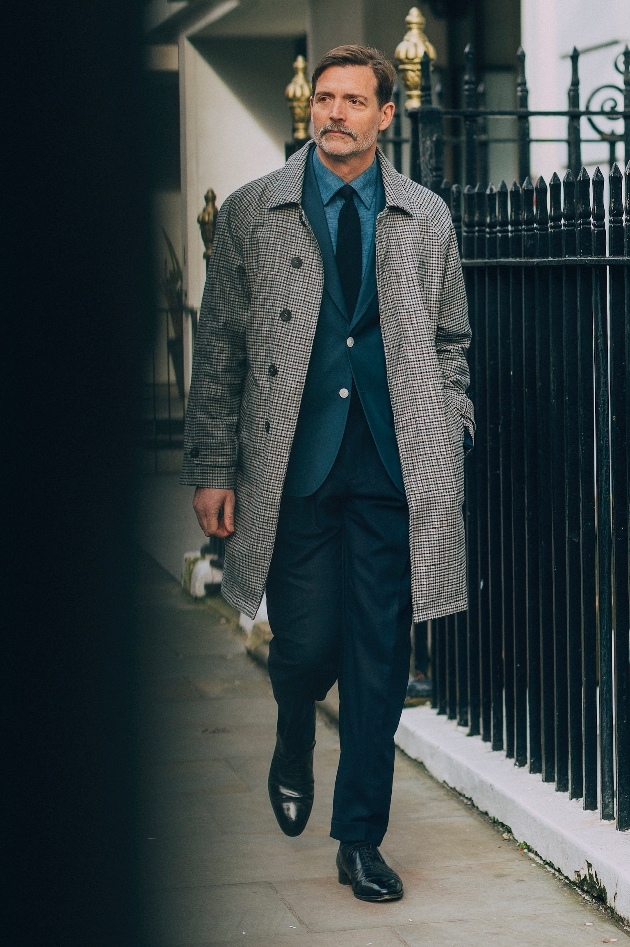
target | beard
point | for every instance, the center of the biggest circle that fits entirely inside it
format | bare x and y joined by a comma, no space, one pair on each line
353,144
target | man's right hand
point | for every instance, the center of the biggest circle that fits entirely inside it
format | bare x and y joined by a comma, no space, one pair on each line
215,511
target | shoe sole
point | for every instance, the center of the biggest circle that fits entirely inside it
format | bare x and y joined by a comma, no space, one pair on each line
345,880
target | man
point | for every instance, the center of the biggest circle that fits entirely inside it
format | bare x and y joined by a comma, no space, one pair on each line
325,431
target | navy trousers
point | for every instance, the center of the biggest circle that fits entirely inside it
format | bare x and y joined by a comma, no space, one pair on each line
339,605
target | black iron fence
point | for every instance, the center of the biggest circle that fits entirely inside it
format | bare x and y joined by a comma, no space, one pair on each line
539,665
431,141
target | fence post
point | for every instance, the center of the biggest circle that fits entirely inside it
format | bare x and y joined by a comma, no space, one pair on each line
430,134
522,100
620,420
470,123
626,104
604,534
482,137
409,54
575,142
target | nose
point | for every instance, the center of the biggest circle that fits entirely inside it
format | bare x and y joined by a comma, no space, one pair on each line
338,110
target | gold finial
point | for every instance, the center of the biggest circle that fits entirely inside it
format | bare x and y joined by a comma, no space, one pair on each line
207,220
409,54
298,93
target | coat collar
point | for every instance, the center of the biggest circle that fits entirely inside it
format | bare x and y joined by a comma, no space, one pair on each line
290,181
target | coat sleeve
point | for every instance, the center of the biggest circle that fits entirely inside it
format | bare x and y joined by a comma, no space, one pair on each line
453,334
219,366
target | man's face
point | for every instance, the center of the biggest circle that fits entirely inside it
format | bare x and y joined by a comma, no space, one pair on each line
345,111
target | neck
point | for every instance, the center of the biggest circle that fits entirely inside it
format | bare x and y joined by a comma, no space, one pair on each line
348,167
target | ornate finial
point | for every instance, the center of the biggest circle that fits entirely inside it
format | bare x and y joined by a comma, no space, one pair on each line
207,220
409,55
298,93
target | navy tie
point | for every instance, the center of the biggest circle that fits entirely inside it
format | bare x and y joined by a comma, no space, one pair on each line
349,256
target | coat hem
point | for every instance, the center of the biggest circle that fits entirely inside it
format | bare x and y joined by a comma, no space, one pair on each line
234,598
429,612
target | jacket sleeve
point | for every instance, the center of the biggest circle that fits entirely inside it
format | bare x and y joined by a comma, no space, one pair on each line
219,365
453,335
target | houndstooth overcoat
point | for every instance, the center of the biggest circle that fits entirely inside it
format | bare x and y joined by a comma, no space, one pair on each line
259,312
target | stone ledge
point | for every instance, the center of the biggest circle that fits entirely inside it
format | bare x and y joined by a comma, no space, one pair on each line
589,852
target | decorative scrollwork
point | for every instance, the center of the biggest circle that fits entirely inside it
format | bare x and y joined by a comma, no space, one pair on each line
619,62
607,99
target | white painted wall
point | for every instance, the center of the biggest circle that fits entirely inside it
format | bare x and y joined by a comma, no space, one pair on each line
234,126
550,30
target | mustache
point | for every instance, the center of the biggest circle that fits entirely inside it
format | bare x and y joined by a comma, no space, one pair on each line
337,127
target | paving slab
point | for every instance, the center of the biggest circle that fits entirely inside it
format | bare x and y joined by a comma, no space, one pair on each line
216,870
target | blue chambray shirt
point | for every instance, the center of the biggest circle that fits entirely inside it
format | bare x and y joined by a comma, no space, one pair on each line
365,187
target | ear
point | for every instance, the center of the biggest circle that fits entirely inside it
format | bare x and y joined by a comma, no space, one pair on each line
387,114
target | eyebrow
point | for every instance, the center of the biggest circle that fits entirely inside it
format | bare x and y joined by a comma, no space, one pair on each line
348,95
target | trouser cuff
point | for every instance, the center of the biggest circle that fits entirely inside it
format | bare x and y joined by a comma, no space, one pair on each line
346,832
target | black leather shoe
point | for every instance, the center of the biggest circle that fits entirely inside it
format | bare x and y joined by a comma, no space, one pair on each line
361,865
291,788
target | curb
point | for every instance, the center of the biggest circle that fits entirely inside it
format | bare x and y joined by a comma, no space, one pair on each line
592,854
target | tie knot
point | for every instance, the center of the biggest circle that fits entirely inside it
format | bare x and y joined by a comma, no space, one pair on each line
347,192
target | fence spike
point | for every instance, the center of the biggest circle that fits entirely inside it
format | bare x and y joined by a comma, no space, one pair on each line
569,215
542,219
529,234
599,214
491,222
503,221
516,222
583,215
555,216
615,230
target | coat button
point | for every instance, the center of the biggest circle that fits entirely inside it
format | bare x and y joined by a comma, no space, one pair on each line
267,426
285,315
194,452
296,262
273,371
343,392
349,341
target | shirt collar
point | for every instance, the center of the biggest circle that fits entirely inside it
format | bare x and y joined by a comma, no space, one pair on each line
329,182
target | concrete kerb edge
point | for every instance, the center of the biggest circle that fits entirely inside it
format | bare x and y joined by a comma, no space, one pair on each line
590,853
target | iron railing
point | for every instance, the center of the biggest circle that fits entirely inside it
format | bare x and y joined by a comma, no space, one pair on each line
456,140
539,665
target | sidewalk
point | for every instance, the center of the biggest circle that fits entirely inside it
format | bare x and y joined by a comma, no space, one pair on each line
218,871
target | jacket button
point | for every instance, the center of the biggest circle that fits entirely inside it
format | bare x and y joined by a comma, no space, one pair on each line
349,341
267,427
273,371
296,262
285,315
194,452
343,392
